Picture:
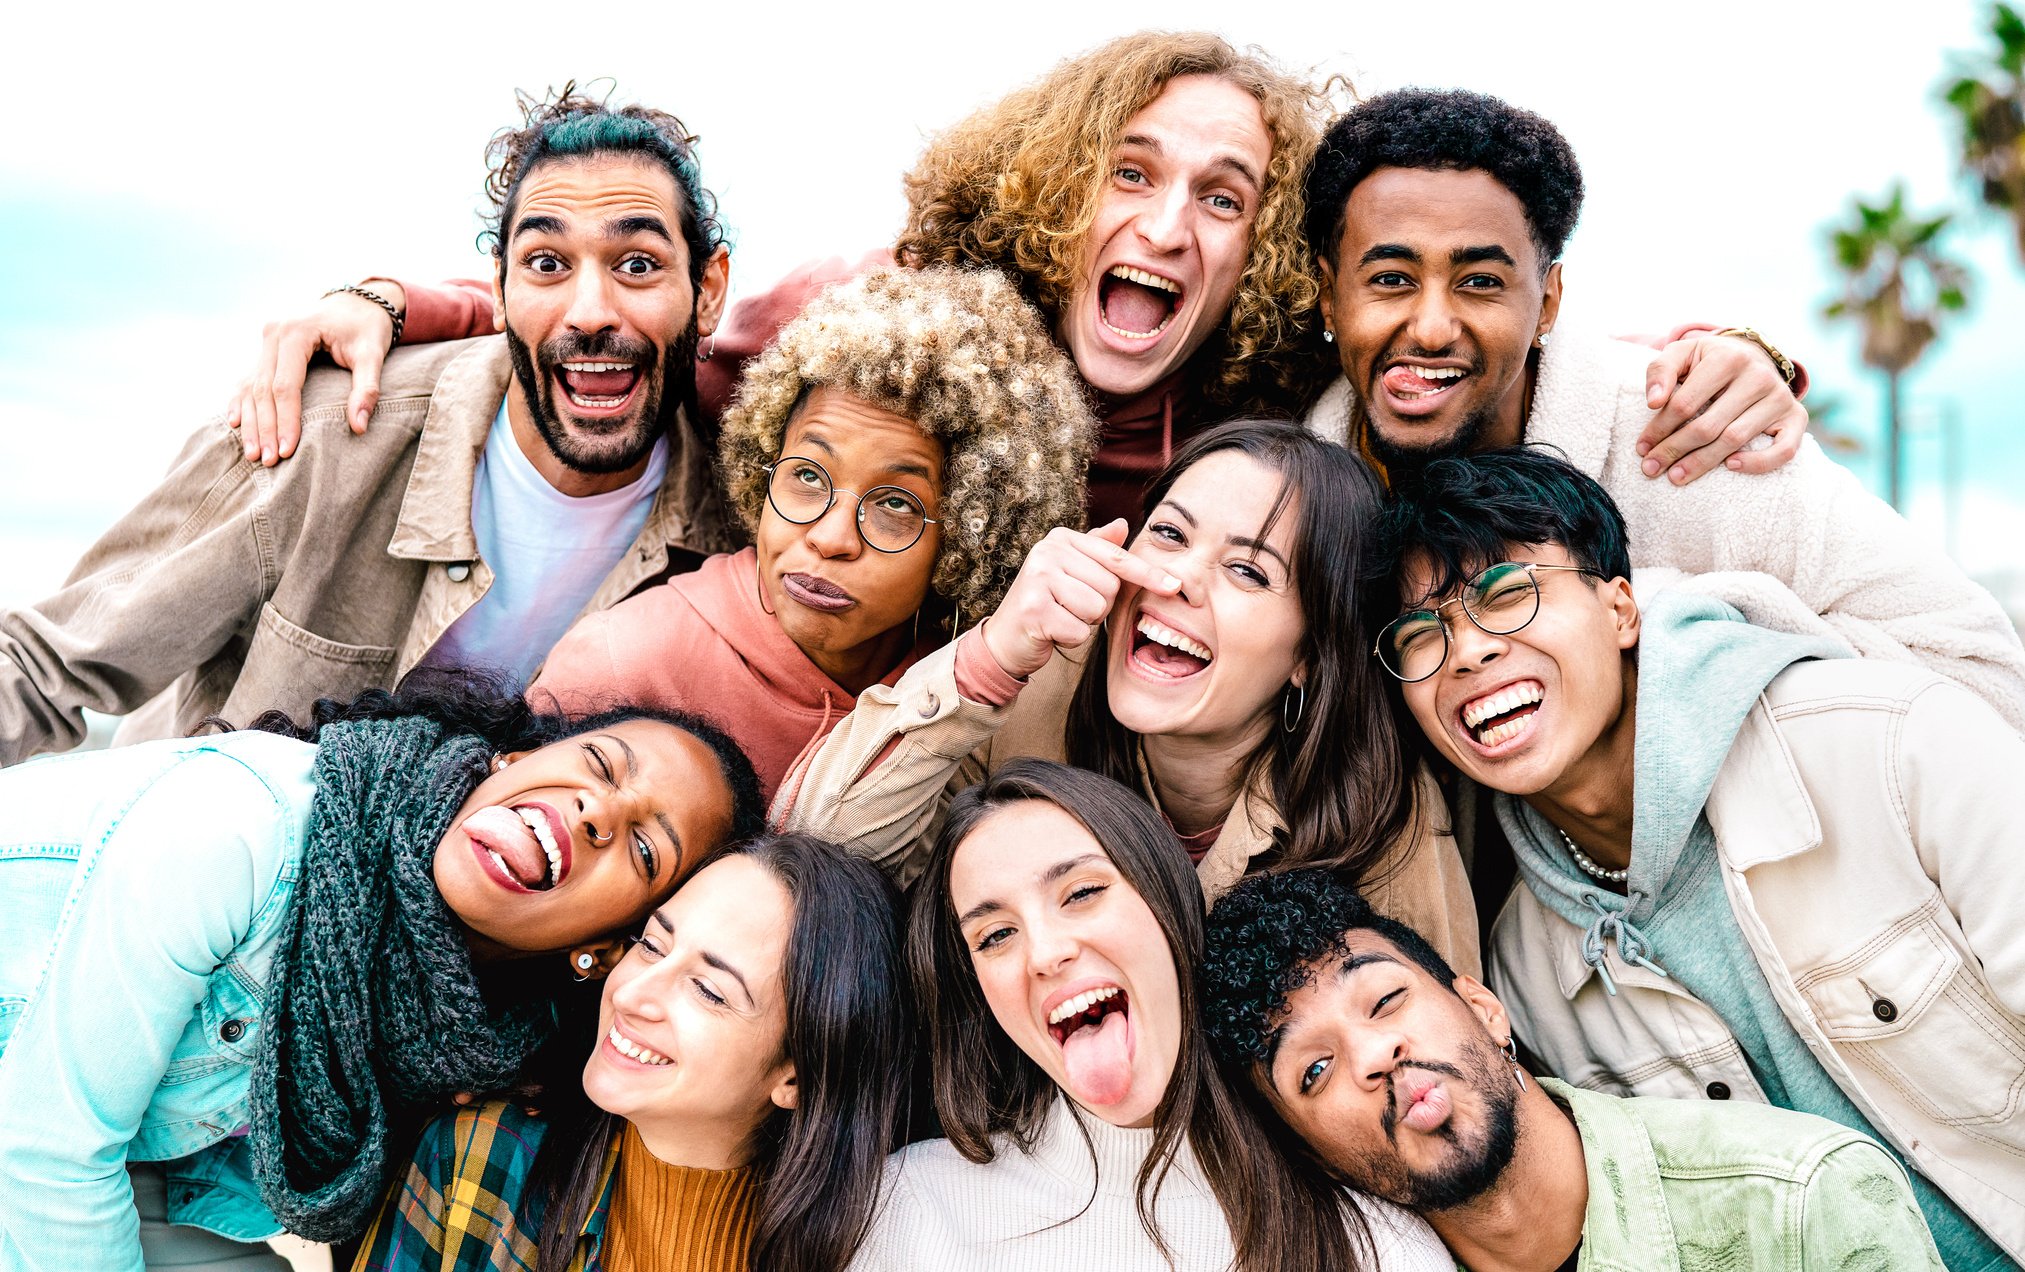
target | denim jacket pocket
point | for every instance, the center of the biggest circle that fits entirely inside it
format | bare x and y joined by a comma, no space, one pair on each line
1909,1002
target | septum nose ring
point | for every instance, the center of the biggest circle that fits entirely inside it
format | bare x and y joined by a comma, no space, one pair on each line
601,839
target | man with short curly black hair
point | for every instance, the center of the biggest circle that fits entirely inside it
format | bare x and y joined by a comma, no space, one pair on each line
1400,1078
1438,219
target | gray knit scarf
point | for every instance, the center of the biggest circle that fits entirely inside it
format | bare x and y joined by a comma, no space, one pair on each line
373,1009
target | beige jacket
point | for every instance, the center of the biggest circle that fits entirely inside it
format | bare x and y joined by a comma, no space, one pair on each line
232,589
1873,857
930,742
1861,574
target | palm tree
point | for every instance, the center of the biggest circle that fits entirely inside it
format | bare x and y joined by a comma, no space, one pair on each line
1988,99
1896,285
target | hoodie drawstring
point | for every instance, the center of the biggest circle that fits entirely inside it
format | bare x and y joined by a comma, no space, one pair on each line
1632,944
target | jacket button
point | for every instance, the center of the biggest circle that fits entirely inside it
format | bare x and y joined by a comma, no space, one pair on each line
459,572
1719,1090
930,705
232,1030
1884,1009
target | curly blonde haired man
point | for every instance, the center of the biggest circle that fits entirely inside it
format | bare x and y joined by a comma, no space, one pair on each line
894,454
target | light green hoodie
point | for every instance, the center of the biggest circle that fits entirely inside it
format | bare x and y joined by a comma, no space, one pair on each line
1701,669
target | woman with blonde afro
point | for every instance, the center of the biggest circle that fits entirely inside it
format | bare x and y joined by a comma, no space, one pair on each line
894,454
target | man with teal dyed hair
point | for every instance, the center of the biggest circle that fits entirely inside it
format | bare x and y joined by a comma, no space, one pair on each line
508,484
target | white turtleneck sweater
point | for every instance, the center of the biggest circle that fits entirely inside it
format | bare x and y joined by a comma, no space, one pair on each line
1057,1209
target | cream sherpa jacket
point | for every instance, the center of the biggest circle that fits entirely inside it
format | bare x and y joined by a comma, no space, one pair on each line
1857,570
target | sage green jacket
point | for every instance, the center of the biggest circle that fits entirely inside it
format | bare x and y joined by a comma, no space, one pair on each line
1696,1186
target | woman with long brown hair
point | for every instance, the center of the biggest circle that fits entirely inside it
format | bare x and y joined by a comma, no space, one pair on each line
1215,666
1053,945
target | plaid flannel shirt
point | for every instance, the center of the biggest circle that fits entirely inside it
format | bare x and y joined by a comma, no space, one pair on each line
457,1207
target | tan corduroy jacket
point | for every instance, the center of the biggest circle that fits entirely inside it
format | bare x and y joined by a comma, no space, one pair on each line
931,742
1874,862
232,589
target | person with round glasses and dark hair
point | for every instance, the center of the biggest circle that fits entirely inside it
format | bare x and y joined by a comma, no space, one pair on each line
894,454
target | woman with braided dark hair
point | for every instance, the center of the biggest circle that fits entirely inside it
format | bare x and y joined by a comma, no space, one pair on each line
255,957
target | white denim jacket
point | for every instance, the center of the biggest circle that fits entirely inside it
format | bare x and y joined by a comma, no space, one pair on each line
1872,853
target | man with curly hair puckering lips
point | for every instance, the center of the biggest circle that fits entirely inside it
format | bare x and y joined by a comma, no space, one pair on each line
894,454
1398,1077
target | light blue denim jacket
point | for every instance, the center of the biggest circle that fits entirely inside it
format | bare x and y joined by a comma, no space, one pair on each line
142,894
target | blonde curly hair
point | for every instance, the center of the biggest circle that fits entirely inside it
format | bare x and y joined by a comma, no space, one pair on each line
1016,187
962,355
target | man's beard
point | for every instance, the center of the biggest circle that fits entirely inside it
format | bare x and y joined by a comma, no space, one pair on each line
1398,458
624,443
1474,1163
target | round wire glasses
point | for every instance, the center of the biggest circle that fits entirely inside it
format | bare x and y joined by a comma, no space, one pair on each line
1500,600
890,519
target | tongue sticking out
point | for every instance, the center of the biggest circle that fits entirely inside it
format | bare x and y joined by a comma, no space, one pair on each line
1129,306
502,831
1405,380
1099,1057
601,384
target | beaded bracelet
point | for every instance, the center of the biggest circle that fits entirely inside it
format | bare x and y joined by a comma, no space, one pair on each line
400,319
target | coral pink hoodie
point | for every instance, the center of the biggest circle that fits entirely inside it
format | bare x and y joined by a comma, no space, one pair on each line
701,643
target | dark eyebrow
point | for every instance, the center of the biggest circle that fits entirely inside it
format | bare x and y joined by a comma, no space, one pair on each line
1048,876
1260,545
1389,252
1344,968
661,818
538,224
627,226
1488,252
1185,514
730,971
907,468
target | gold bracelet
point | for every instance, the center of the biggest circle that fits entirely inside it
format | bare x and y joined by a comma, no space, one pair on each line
1787,371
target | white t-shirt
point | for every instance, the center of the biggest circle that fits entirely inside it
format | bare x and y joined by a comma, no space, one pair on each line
548,551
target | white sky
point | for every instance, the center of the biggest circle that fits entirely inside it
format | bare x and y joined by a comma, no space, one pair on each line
173,177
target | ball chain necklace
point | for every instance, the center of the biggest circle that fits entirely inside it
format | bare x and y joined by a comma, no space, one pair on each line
1588,863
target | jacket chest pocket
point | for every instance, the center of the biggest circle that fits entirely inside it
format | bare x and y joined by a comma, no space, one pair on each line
288,667
1912,1010
222,1036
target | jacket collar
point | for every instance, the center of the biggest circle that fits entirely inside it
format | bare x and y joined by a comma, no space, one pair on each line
435,520
1250,829
1759,808
1575,399
1626,1223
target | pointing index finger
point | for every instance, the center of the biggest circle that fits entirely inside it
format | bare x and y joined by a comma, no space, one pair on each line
1130,568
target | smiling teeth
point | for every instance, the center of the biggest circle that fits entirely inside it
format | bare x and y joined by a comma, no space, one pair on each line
1167,636
1436,373
1145,279
546,838
633,1050
597,366
1081,1003
1510,698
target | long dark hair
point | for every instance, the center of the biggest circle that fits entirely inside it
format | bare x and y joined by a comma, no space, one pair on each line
985,1086
820,1164
1339,781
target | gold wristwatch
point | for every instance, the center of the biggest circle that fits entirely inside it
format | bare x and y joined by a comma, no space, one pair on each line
1787,371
